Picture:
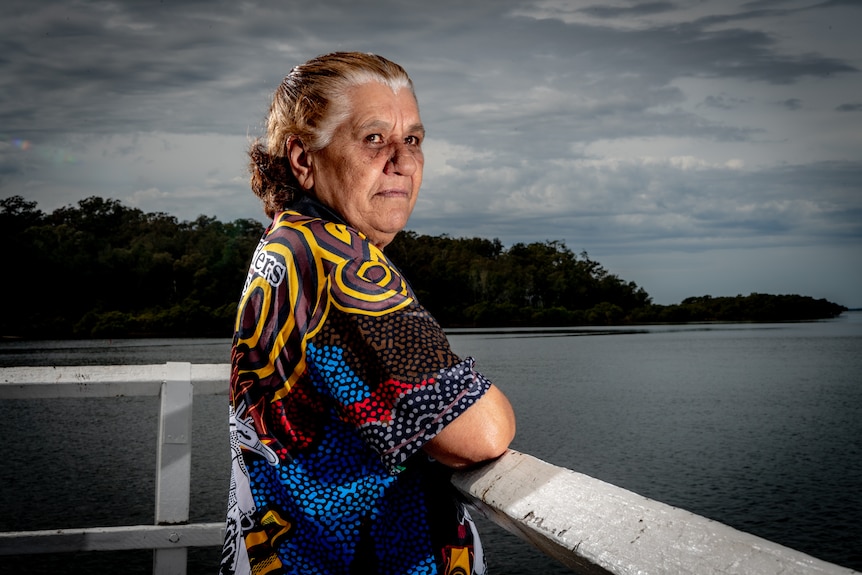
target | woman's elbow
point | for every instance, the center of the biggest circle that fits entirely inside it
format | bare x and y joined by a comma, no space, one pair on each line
481,433
478,451
499,432
495,441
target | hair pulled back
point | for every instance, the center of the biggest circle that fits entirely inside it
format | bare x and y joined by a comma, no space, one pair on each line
311,102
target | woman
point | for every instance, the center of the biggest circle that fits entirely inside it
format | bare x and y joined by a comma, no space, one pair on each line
347,405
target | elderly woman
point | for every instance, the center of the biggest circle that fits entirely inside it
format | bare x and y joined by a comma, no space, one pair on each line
347,405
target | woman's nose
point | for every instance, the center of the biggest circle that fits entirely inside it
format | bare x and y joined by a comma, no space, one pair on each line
401,161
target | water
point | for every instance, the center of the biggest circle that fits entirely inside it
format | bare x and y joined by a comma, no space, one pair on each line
755,425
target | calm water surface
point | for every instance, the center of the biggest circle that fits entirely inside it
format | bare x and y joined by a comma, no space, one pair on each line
756,425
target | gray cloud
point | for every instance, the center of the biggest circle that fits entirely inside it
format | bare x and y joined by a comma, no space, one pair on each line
644,9
722,101
637,127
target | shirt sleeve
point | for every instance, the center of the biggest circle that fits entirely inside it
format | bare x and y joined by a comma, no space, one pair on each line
387,363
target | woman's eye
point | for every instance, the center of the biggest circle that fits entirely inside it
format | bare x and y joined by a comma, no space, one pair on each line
374,139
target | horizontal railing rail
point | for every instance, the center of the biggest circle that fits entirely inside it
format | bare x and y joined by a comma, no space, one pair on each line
596,528
590,526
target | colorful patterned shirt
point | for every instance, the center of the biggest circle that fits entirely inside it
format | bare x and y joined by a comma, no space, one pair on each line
339,377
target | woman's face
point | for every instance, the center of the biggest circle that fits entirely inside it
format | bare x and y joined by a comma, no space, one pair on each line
371,171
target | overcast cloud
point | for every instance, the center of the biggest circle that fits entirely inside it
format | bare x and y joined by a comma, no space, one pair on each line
693,147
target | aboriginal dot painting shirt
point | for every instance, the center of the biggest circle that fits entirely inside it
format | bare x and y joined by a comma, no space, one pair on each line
339,377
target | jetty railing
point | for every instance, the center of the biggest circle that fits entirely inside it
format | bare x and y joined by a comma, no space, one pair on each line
176,384
590,526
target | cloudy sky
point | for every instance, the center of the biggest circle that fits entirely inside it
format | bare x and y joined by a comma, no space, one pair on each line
693,147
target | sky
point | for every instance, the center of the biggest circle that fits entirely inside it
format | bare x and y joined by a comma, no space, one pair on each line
708,147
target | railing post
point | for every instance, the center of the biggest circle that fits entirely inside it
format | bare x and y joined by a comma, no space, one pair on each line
174,464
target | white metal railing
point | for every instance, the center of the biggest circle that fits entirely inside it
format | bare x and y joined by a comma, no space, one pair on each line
588,525
176,384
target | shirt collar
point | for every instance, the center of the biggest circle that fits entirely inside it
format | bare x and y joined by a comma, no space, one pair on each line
308,206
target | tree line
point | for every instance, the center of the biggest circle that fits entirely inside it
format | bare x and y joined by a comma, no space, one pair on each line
476,282
102,269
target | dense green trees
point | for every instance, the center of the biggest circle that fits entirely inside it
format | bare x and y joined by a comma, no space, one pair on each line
476,282
100,269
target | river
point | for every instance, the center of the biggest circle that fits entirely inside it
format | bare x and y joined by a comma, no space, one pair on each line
755,425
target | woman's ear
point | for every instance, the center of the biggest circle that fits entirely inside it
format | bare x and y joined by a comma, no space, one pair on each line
300,163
